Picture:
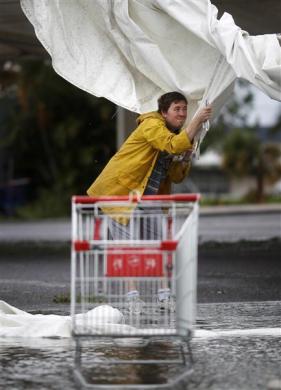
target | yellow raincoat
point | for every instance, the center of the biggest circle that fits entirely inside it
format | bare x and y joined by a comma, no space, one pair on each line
130,168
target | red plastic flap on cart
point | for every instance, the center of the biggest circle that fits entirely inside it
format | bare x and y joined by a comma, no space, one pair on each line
81,246
134,263
169,245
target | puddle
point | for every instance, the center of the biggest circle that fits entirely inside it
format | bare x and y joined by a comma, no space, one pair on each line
246,363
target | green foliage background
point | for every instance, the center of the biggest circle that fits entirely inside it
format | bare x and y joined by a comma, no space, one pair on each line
53,133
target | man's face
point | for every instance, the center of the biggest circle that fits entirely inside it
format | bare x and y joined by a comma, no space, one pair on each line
176,114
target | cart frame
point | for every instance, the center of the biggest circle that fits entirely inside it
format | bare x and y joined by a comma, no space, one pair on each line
84,246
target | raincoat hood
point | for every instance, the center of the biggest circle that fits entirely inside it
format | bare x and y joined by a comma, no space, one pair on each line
149,115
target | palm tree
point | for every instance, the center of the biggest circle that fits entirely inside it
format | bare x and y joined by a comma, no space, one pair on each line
246,155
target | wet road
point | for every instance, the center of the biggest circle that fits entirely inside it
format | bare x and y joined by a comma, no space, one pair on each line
238,288
31,275
220,363
218,224
239,278
241,226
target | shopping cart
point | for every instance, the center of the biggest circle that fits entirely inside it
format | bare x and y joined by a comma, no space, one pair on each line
147,244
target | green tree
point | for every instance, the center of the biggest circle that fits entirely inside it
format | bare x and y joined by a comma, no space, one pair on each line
57,135
245,154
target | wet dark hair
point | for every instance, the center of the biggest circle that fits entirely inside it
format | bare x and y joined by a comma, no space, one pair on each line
167,99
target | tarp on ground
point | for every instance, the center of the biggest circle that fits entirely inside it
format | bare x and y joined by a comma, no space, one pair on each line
16,323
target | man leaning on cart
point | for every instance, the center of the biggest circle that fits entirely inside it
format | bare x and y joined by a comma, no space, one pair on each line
146,161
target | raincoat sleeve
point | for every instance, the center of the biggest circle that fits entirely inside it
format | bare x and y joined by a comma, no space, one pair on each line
160,138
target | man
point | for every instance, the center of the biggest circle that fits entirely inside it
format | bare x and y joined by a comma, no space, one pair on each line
145,164
141,163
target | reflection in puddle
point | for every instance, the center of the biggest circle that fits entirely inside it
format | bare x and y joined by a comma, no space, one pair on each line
232,362
247,363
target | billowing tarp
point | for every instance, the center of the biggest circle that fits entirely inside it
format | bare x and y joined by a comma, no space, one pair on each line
132,51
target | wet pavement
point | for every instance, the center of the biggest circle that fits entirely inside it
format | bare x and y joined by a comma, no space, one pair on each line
218,224
239,277
33,274
220,363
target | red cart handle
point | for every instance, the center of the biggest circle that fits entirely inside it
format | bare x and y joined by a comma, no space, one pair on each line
174,198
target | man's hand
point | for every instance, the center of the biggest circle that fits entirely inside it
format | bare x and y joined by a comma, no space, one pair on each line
195,125
204,114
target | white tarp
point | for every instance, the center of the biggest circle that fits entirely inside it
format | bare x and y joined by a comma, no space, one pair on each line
20,324
132,51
